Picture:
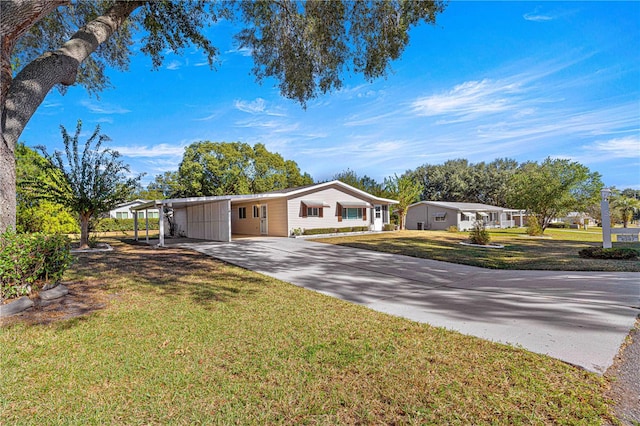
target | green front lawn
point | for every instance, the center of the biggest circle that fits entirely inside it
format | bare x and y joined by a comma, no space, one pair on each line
558,250
185,339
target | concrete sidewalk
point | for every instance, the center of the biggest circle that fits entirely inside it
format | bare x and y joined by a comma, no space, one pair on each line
579,317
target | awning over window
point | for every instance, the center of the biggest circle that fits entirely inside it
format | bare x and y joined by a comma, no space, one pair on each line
483,214
468,214
439,214
355,204
315,203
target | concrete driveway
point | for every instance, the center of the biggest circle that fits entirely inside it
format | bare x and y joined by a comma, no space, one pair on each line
579,317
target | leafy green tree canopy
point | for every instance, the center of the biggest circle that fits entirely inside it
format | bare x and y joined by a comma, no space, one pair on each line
88,183
223,168
554,188
35,215
405,190
364,183
305,46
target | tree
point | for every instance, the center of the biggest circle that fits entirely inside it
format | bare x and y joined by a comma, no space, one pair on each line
223,168
461,181
405,190
364,183
626,207
33,214
553,188
88,183
305,46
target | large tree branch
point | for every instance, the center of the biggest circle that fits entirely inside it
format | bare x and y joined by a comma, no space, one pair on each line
29,88
16,18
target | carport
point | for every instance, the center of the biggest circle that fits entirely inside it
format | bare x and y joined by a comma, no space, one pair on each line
206,218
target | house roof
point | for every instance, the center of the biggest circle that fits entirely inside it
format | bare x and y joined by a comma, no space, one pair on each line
130,203
464,207
284,193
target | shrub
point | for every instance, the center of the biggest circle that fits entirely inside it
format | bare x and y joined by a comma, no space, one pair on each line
344,229
110,224
616,253
533,227
559,225
479,234
389,227
452,228
360,228
319,231
29,260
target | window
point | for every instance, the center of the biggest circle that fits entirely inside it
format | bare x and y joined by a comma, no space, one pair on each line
378,212
242,212
256,211
313,211
463,217
152,215
140,215
440,217
122,215
349,213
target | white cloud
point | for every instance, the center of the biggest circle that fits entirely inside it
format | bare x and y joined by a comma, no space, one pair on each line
252,107
243,51
160,150
469,98
103,108
537,17
174,65
624,147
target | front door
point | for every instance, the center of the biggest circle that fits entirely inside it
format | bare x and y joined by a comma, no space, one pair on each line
377,217
264,230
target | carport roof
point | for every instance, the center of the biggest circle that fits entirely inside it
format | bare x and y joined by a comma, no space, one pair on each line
181,202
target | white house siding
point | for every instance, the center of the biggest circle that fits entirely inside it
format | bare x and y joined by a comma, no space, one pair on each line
331,196
209,221
425,213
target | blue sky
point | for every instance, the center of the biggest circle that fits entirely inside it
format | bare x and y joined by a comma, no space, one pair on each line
523,80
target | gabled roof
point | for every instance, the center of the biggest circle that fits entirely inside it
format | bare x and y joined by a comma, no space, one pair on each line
284,193
464,207
130,203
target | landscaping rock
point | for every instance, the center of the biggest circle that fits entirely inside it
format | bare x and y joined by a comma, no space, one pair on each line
54,293
15,307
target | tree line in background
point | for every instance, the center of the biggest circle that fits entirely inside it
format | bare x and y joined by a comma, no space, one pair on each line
547,190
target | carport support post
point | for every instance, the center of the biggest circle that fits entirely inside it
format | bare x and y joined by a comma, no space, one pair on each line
135,227
606,219
161,226
146,223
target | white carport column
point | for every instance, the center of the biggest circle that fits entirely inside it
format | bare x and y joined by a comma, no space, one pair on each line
135,226
161,225
146,222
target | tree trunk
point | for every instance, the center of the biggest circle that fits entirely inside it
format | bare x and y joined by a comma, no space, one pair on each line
31,85
84,230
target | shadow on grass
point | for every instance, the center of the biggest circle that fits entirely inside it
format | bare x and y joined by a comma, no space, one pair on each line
168,271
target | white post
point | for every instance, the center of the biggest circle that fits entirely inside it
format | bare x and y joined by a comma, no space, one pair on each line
135,226
146,222
161,225
606,218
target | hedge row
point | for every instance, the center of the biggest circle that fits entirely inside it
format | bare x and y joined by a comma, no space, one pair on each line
28,261
617,253
110,224
319,231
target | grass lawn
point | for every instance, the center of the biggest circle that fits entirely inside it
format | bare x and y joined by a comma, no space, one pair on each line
558,251
184,339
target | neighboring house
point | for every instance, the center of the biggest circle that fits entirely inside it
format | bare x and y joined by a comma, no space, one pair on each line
440,215
123,210
576,220
279,213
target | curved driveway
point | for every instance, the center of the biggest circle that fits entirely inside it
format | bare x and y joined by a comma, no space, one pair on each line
579,317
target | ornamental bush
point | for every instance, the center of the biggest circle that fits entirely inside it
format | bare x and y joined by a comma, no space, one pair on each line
616,253
533,227
479,234
28,261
